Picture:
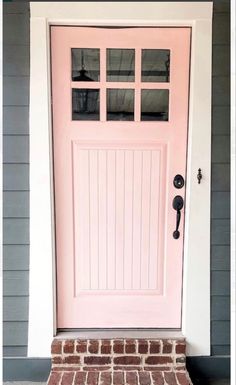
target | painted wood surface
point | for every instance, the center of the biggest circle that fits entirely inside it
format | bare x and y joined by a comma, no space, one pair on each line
116,256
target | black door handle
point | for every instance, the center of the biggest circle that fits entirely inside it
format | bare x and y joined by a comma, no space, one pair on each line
178,204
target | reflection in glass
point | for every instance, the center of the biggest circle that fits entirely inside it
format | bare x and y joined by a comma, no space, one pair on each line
85,104
120,104
155,65
155,105
85,64
120,65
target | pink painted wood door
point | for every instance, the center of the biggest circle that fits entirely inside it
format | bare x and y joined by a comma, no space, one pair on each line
120,113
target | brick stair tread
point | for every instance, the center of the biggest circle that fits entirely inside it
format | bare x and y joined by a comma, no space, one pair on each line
77,377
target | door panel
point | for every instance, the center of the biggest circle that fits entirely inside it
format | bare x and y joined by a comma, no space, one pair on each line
120,108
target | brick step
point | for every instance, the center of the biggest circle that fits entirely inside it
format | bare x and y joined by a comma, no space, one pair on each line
118,362
118,378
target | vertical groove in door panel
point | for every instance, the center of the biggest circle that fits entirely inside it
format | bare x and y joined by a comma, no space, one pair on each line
94,218
102,217
119,219
111,228
137,218
154,215
117,199
128,213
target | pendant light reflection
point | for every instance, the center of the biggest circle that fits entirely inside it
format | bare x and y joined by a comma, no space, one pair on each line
85,100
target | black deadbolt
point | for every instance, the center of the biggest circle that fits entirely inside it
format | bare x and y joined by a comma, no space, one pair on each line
178,181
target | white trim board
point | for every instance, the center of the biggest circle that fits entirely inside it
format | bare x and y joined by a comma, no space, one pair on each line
196,287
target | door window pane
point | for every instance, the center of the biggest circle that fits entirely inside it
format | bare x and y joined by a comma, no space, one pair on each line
120,104
85,64
85,104
120,65
154,105
155,65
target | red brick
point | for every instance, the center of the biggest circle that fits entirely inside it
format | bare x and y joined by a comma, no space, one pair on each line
157,378
144,378
155,347
170,378
120,367
67,378
167,347
97,360
142,346
105,378
180,349
118,378
81,346
118,346
183,378
54,378
130,346
106,347
56,347
69,346
96,368
155,360
158,368
80,378
131,378
92,378
93,346
71,360
56,360
127,360
65,368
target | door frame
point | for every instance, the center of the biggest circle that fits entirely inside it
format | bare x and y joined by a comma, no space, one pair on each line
42,285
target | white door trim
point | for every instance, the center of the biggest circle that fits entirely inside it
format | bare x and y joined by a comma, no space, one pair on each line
196,287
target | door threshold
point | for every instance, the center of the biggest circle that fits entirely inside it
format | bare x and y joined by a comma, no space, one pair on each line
119,333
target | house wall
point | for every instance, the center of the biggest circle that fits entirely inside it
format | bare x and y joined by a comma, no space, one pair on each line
16,179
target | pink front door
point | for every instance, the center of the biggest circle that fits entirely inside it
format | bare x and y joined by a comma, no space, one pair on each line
120,113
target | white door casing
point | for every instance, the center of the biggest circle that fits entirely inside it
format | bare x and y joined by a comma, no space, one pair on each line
196,285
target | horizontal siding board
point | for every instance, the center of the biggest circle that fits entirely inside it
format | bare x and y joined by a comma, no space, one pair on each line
16,120
15,308
220,350
16,60
220,257
16,177
220,332
220,205
221,60
220,91
221,120
16,149
16,204
15,7
15,257
220,177
220,149
15,90
221,6
220,308
16,231
16,283
16,29
221,28
15,333
220,283
15,351
220,232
